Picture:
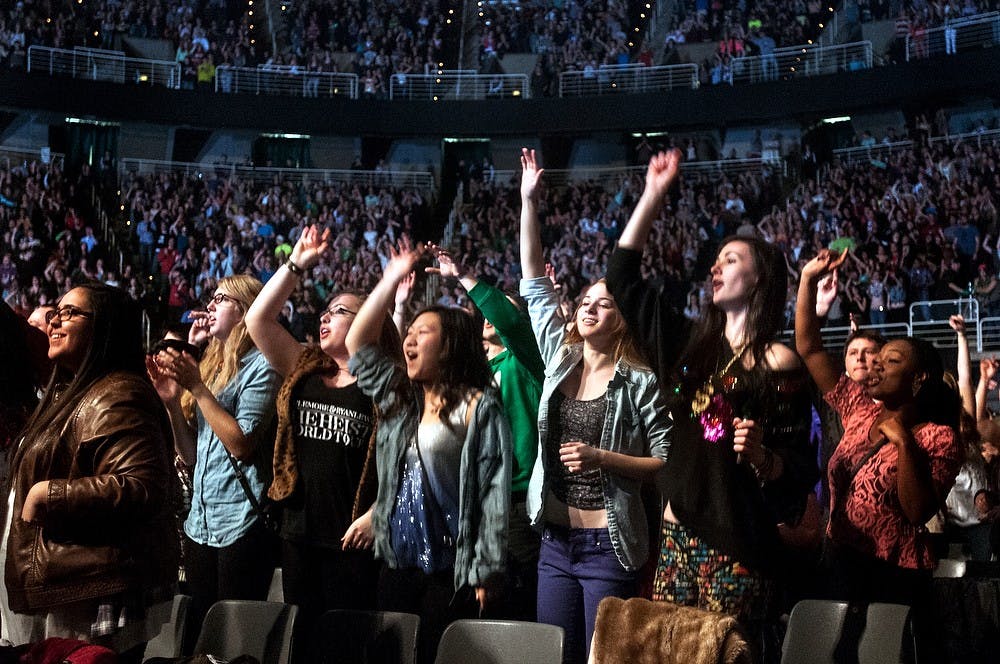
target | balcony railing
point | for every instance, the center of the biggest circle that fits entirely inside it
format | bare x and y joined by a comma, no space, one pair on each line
792,62
867,153
97,65
627,79
961,34
612,176
285,81
458,84
415,179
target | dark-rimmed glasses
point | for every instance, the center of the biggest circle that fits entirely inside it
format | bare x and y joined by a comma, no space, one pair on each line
338,310
219,298
66,313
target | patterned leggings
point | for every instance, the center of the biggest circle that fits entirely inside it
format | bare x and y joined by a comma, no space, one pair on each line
691,573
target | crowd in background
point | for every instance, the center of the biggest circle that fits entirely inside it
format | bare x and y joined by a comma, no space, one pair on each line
384,48
924,220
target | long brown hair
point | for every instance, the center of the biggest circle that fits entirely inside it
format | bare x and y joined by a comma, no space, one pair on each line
765,314
626,349
221,360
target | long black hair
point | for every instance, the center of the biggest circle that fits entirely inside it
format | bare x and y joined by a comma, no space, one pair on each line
115,345
463,366
935,401
765,314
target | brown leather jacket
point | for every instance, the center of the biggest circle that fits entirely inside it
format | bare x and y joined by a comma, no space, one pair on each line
108,526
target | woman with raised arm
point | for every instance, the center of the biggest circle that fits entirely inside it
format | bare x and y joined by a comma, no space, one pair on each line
741,462
324,468
603,430
443,459
222,412
895,463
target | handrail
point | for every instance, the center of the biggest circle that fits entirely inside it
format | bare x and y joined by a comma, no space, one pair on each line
98,65
458,84
990,135
801,61
284,80
615,174
57,158
416,179
964,33
627,79
858,153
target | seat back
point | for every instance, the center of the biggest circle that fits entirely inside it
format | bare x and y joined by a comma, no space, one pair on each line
500,642
276,591
367,637
948,568
884,635
168,641
813,632
245,627
816,626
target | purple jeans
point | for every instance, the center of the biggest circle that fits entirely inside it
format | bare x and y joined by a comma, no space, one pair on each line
577,568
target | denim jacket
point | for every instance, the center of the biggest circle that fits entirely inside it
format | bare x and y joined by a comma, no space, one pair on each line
636,423
220,511
481,547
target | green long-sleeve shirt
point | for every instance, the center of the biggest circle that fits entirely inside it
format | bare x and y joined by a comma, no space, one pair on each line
519,371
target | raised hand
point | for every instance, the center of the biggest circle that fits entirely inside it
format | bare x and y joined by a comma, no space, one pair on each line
310,247
550,272
824,263
448,267
957,323
826,293
403,290
662,171
531,174
402,259
988,371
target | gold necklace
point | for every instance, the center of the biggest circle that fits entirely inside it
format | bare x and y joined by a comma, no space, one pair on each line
703,395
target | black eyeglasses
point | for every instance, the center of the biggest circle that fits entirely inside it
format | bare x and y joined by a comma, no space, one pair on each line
339,310
66,313
219,298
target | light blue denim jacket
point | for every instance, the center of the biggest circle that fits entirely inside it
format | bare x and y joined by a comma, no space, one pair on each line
636,423
484,493
220,512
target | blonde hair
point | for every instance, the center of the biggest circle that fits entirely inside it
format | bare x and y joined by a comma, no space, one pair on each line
626,349
221,359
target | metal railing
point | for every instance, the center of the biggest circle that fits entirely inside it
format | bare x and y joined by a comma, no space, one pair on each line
96,65
800,61
9,155
612,176
866,153
415,179
627,79
284,80
929,321
458,84
960,34
989,136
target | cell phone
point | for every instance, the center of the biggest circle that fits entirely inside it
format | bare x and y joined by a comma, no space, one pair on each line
179,345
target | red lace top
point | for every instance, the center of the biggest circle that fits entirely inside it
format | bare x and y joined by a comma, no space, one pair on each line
865,513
